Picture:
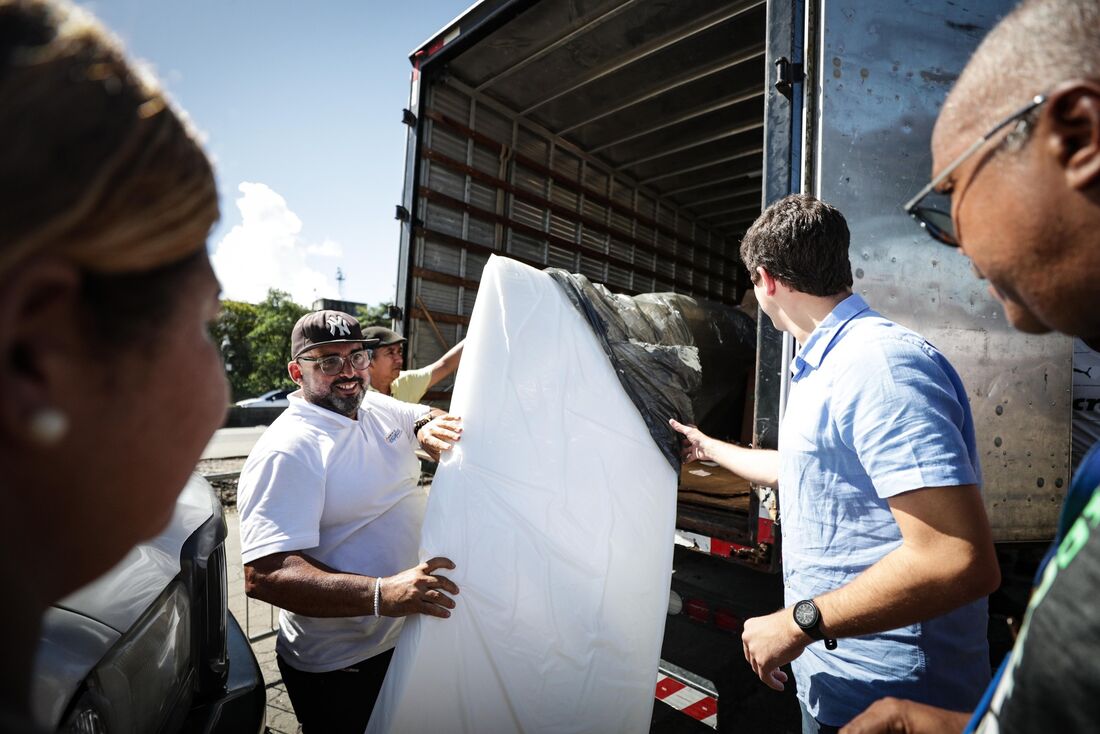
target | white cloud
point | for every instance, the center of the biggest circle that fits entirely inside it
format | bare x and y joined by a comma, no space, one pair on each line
328,248
266,251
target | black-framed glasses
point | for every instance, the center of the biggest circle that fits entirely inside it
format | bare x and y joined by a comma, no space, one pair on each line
334,364
931,208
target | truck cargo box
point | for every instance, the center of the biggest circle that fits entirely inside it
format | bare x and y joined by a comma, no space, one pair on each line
634,141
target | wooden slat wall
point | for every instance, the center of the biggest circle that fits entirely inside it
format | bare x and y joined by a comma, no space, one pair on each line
490,185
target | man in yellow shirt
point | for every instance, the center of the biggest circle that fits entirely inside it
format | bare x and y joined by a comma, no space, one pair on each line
387,377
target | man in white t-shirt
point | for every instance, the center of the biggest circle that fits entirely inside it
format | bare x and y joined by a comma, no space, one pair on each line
331,512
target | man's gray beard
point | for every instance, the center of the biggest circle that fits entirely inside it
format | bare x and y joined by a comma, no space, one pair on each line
346,406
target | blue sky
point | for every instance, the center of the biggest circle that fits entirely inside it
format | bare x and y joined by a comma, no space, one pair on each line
300,104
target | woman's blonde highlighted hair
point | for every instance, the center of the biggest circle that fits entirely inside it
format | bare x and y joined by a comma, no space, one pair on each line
98,167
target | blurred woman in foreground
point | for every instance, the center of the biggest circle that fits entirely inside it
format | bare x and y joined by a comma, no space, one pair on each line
111,386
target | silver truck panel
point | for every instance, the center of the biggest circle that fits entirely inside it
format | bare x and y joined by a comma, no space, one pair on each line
884,69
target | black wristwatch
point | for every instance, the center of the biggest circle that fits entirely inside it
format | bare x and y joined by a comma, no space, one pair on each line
808,617
420,424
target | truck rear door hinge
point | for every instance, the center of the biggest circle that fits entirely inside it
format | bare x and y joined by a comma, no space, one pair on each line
408,117
401,213
786,75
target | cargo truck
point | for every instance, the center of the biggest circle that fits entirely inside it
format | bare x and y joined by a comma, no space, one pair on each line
634,141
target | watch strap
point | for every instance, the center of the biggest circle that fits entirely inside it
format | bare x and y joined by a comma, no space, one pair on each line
814,630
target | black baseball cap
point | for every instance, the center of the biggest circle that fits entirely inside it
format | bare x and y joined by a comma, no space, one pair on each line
326,327
384,336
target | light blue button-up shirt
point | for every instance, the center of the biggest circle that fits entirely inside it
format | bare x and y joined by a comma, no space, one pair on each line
873,411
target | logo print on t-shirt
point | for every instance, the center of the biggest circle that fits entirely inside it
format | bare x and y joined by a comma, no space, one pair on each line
338,323
393,435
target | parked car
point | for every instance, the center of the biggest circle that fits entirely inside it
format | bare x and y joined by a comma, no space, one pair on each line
270,399
151,645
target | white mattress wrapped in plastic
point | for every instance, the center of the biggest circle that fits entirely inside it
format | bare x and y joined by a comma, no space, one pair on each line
558,510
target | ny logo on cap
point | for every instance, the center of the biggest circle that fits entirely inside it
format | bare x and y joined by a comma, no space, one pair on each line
337,323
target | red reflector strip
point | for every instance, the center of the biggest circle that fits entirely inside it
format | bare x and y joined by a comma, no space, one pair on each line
703,709
667,686
697,609
687,700
720,547
727,620
765,530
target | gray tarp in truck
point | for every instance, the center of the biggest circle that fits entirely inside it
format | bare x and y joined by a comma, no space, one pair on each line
662,345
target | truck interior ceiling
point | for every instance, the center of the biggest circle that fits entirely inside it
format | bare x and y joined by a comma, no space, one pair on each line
619,139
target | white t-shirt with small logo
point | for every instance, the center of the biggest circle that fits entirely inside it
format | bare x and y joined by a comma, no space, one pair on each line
344,492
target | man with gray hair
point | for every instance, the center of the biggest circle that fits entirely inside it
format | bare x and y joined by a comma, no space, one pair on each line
1016,187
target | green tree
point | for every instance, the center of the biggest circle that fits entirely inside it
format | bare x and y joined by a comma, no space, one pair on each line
376,315
230,332
269,341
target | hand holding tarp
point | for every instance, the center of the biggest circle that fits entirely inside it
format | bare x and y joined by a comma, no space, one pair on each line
440,434
694,444
419,590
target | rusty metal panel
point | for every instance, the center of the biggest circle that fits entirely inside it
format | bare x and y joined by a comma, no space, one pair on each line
884,70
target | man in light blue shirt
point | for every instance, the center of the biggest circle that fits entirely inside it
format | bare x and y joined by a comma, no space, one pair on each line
886,544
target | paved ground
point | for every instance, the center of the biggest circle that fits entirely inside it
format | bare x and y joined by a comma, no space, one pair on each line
257,618
228,442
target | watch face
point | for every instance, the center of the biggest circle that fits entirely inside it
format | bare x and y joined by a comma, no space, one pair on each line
805,614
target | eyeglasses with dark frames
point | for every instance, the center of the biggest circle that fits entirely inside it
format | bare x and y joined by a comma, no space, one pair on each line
934,215
334,364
